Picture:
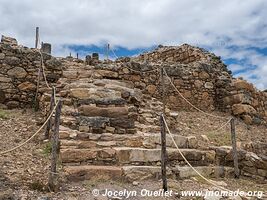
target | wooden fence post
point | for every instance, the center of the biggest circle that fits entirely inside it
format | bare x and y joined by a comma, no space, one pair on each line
36,37
52,104
234,149
163,153
163,90
53,177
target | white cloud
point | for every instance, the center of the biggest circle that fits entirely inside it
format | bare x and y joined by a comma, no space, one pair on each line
140,23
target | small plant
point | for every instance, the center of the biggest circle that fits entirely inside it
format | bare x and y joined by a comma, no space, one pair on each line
220,139
3,114
47,149
37,185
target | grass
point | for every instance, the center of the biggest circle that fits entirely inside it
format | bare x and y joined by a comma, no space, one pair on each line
47,149
222,139
3,114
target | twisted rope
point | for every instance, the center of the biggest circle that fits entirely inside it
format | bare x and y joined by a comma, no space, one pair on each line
208,114
198,173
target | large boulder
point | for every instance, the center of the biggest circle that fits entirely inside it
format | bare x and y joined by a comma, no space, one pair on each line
17,72
239,109
241,84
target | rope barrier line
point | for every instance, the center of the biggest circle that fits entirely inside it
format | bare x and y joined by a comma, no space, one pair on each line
25,142
221,127
211,115
198,173
43,68
148,71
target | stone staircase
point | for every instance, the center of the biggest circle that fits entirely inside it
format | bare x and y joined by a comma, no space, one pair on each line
110,129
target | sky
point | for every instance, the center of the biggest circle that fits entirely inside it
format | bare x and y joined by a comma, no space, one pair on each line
236,30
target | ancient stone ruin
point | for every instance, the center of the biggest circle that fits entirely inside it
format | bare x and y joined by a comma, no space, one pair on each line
111,108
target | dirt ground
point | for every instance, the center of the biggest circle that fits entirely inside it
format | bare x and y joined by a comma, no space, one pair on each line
24,172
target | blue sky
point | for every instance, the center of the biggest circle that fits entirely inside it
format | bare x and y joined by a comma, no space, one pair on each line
236,30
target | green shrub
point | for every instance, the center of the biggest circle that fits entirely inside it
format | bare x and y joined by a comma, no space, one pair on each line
3,114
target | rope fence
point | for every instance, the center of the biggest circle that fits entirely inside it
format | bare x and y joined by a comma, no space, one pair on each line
175,88
189,164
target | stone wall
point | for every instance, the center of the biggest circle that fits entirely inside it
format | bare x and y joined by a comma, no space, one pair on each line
200,76
250,163
196,82
19,67
242,99
182,54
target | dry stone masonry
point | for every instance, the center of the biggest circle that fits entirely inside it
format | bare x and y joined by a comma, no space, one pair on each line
110,113
19,73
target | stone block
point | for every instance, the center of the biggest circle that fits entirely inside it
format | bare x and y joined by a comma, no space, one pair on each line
17,72
239,109
27,87
112,112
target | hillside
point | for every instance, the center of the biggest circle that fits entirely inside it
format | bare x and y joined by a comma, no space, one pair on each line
110,129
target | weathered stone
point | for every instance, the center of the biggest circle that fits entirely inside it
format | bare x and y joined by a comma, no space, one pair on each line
110,129
2,96
239,109
27,86
12,61
247,119
207,171
84,128
2,56
96,122
192,142
70,74
17,72
133,173
53,63
190,154
107,74
204,75
122,122
5,79
241,84
9,40
103,101
77,155
151,89
94,93
262,172
93,111
12,104
91,172
198,83
208,85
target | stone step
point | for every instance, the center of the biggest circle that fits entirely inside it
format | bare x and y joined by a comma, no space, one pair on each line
128,155
136,156
185,172
92,172
75,139
123,173
139,173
